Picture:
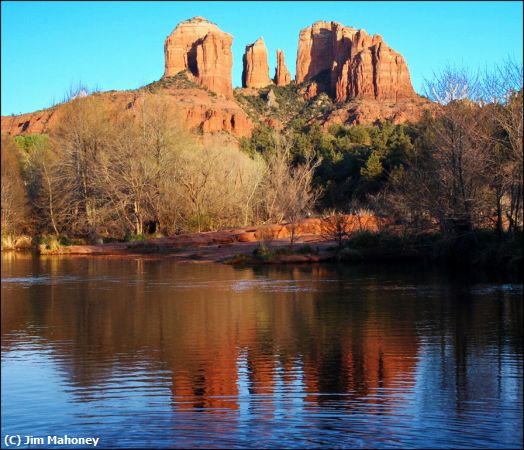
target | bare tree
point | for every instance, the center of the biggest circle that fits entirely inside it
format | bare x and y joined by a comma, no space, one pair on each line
82,139
501,89
452,84
14,204
336,227
288,189
44,183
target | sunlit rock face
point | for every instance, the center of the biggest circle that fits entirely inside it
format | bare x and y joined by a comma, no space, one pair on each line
204,50
256,69
282,75
345,63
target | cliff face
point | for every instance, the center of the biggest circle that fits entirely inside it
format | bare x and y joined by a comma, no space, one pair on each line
282,75
345,62
256,70
204,50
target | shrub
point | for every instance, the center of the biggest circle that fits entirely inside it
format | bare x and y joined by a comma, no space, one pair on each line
239,258
263,252
47,244
23,242
307,250
349,255
8,242
64,240
178,81
135,237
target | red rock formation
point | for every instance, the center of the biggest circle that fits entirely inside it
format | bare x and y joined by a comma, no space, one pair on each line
282,75
315,53
193,108
367,112
347,62
37,122
256,69
201,48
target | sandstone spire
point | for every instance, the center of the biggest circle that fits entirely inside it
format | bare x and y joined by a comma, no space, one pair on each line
256,69
346,62
204,50
282,75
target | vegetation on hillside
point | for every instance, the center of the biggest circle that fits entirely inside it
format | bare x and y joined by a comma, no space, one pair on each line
286,104
116,176
179,81
101,175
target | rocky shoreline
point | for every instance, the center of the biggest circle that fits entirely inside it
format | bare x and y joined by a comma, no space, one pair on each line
312,243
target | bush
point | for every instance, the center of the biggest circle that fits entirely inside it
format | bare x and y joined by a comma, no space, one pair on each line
263,252
8,242
47,244
178,81
282,251
239,258
23,242
369,239
349,255
135,237
65,241
307,250
364,239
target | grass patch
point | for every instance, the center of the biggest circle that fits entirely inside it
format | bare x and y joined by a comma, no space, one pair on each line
136,238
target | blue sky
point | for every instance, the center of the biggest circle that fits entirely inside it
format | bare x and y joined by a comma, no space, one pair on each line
49,46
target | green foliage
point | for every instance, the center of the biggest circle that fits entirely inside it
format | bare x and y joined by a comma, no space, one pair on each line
135,238
373,168
290,103
47,243
349,255
30,142
263,252
239,259
254,105
484,249
34,149
178,81
365,239
356,160
199,222
261,141
64,241
307,250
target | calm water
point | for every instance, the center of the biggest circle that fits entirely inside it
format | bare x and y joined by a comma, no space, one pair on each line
158,354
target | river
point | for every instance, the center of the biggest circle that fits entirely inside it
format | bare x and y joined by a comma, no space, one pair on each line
153,353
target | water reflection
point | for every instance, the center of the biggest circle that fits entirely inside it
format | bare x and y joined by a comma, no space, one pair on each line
186,355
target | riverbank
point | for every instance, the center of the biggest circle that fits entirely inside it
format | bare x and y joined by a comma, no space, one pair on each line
366,241
311,243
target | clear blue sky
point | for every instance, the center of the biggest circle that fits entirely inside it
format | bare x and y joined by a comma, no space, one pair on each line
49,46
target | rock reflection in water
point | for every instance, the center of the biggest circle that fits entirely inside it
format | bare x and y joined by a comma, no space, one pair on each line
296,348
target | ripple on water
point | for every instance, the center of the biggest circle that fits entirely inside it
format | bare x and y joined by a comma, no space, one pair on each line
167,356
